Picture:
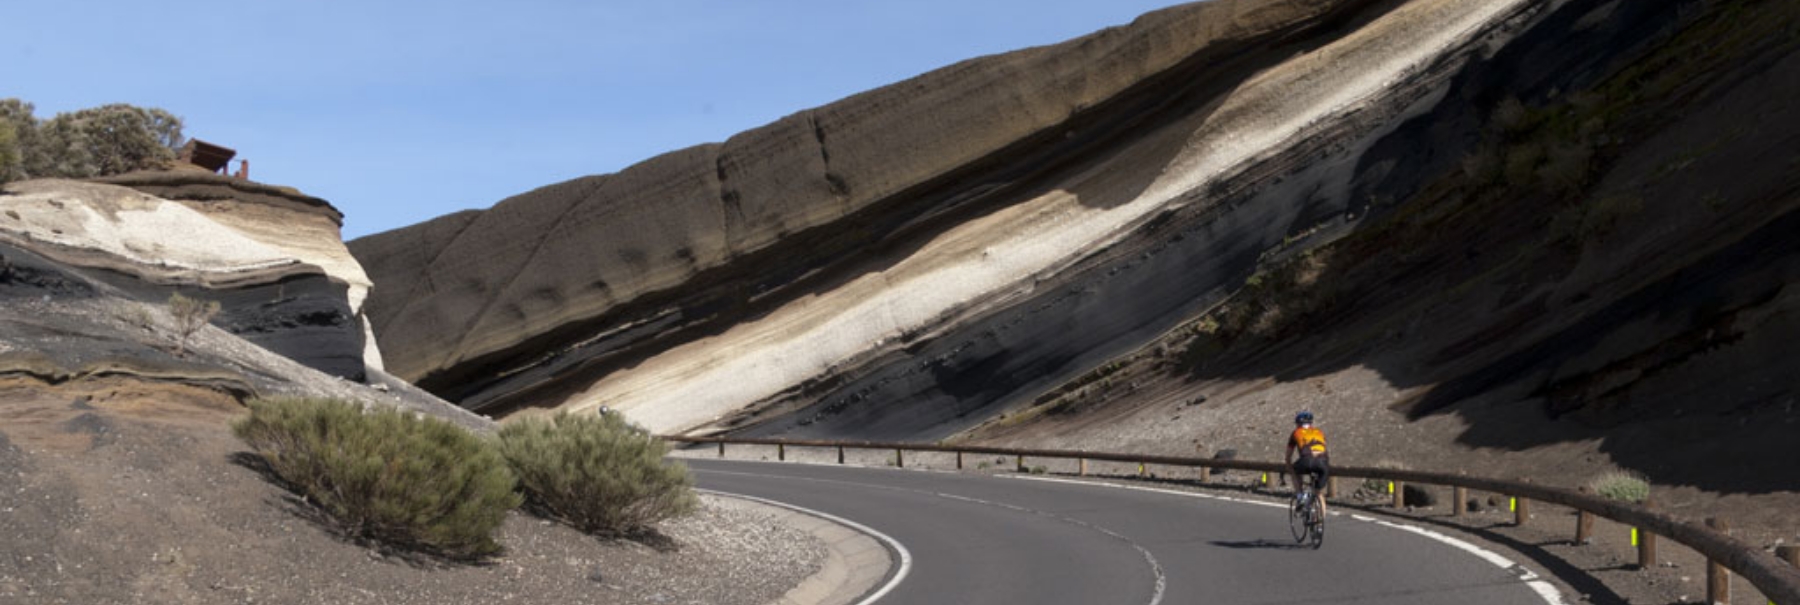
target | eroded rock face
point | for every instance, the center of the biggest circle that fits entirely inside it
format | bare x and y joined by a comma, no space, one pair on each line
909,262
272,258
615,267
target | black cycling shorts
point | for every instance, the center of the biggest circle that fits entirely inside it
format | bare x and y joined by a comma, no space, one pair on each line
1317,466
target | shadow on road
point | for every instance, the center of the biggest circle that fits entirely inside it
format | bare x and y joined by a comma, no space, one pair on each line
1263,543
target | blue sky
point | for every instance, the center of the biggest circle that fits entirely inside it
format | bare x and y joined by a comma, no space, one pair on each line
398,112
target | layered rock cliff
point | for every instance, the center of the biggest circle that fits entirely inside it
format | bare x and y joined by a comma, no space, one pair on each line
271,257
556,288
1416,209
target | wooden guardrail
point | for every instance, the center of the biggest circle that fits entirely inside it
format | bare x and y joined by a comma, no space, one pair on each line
1778,577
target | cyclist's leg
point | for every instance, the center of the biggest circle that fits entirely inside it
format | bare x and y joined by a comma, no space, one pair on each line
1321,477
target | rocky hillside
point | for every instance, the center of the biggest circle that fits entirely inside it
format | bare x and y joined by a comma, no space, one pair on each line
1520,236
121,482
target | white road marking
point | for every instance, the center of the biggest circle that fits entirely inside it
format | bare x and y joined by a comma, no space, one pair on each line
905,556
1156,568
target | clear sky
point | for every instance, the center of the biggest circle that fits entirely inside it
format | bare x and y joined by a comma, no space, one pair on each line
398,112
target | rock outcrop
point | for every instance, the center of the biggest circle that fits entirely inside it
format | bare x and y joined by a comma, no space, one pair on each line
271,257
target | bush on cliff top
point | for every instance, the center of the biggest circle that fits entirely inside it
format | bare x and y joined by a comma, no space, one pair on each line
98,141
416,483
597,472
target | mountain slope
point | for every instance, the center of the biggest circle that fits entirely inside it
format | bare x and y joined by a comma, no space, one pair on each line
552,290
1533,236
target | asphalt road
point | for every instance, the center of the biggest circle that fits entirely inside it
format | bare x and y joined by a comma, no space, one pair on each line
980,539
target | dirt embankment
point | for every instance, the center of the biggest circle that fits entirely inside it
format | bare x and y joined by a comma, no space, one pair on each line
122,490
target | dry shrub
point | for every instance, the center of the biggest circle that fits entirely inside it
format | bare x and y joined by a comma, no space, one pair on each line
415,483
598,473
1621,486
190,314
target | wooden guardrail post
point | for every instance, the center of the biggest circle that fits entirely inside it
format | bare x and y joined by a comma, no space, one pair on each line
1459,501
1331,488
1399,488
1718,579
959,461
899,458
840,454
1081,469
1584,527
1791,554
1646,543
1205,474
721,449
1021,463
781,452
1521,510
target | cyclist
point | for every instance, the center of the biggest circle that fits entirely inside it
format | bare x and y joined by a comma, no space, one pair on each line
1309,441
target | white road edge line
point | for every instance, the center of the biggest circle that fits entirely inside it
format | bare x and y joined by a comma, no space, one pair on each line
899,549
1544,589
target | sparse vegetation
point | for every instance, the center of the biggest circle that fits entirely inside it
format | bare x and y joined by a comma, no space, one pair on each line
598,473
190,315
1621,486
392,477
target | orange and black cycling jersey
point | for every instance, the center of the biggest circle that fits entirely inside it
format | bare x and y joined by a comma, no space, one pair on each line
1310,440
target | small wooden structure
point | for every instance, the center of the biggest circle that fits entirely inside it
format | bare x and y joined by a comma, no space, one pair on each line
207,155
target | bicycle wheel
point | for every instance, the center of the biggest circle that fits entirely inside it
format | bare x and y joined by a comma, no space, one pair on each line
1298,521
1315,515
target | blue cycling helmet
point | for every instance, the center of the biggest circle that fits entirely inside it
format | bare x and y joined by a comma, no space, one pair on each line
1303,418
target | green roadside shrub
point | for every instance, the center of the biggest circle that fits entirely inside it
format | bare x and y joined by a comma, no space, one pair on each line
416,483
1621,486
598,473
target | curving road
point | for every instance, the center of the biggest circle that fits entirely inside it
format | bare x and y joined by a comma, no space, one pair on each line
983,539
